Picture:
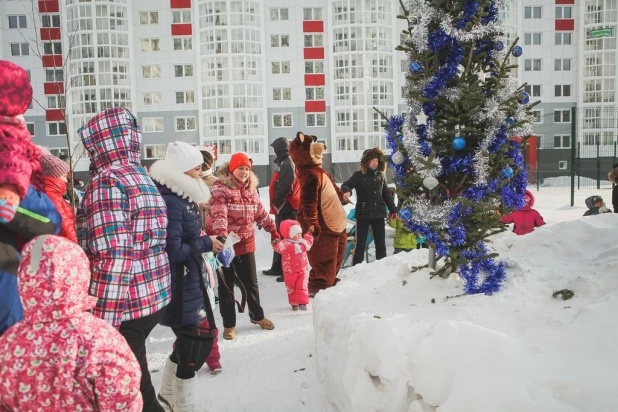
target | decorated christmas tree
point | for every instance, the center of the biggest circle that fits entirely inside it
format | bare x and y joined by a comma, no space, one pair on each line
457,151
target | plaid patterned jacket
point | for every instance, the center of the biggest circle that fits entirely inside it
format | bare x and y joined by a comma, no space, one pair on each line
122,224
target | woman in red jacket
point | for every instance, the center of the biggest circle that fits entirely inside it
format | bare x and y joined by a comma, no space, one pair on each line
234,207
56,173
526,218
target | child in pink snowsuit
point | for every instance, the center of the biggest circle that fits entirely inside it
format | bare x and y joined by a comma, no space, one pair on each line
293,250
61,357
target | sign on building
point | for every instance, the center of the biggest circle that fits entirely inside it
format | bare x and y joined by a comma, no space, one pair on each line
596,34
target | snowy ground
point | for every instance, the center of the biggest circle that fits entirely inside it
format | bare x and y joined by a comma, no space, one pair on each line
383,346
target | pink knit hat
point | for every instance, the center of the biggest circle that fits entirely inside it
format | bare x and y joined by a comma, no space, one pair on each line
52,166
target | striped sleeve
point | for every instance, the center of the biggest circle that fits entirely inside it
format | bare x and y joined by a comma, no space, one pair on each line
218,209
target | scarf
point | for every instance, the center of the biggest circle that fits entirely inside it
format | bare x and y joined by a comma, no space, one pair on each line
207,173
297,243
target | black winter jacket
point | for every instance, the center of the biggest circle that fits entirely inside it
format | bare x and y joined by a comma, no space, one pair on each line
287,172
372,194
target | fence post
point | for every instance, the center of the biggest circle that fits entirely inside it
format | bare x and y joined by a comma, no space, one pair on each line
538,163
579,163
598,165
573,139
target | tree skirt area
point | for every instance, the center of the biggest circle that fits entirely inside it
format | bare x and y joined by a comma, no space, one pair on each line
383,345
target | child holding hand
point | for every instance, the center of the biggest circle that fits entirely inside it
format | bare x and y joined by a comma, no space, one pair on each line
293,250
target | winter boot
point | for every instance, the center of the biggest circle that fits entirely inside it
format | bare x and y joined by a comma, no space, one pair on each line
295,308
166,393
264,324
280,279
184,390
302,307
229,333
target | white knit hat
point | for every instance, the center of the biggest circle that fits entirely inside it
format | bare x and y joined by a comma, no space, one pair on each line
295,230
183,156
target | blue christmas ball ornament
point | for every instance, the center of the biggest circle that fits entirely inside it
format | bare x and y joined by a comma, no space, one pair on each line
499,46
459,143
506,173
525,98
405,215
517,51
415,67
510,121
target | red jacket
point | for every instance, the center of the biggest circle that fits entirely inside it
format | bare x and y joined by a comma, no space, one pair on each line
55,189
61,357
526,218
235,207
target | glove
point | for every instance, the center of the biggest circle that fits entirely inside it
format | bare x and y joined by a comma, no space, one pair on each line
274,237
394,216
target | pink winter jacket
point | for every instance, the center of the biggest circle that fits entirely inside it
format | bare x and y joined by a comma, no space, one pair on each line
293,259
60,357
526,218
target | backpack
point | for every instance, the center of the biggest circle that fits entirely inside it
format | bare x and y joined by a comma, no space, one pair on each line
293,198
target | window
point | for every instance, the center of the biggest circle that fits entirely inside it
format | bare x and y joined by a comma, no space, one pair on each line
313,40
30,127
183,43
533,39
562,65
562,141
563,39
150,45
538,116
562,90
185,124
312,13
591,138
279,40
282,120
564,12
54,75
50,20
152,124
183,70
52,48
279,14
280,67
314,66
18,22
351,143
152,71
282,93
533,90
250,145
55,102
315,119
20,49
56,129
314,93
185,97
563,165
533,65
152,98
562,116
532,12
154,151
181,16
148,17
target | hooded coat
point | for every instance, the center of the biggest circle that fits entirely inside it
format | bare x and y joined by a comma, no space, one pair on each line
182,194
524,219
235,207
372,193
282,199
593,209
55,189
123,223
61,357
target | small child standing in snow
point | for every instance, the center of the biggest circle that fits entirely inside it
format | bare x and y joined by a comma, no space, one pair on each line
596,206
526,218
293,250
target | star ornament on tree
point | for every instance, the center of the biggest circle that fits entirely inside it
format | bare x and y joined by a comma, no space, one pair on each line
482,75
421,118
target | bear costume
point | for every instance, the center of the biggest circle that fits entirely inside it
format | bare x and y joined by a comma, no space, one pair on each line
321,209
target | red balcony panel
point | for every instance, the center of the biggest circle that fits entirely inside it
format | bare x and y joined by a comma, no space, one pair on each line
313,26
180,4
314,53
565,25
315,80
53,88
52,61
313,106
182,29
51,33
54,115
49,6
565,1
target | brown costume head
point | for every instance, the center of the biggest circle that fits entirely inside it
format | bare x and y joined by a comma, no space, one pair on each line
305,151
369,155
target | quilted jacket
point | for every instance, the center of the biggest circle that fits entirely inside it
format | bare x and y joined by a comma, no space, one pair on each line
123,228
55,189
60,357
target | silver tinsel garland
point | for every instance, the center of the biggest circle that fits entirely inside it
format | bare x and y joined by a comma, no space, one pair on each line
424,212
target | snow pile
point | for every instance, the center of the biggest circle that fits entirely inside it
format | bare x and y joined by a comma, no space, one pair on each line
382,344
565,181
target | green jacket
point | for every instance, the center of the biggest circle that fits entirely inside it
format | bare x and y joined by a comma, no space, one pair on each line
404,239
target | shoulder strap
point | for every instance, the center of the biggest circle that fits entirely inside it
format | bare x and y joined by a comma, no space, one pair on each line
196,256
180,274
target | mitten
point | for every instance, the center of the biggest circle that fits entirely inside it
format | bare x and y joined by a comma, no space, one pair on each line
275,237
394,216
9,201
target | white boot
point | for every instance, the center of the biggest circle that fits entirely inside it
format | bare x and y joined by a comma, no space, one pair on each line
184,389
166,393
